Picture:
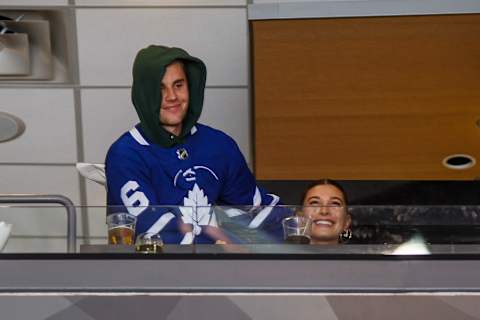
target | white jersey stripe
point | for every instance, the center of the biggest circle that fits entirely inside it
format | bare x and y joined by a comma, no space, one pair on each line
233,212
257,198
138,137
262,215
161,222
194,129
188,239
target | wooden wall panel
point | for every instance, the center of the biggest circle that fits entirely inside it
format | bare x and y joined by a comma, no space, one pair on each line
366,98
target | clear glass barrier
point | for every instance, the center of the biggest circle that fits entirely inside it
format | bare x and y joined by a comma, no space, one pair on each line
386,230
378,230
33,229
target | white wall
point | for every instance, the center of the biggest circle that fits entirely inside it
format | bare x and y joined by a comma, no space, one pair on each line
76,120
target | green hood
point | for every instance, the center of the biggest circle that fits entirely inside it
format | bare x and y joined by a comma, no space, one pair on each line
148,70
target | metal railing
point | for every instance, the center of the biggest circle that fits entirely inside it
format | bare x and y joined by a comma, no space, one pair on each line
55,199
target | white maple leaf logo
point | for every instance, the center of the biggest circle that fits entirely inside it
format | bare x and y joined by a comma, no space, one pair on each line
201,214
196,197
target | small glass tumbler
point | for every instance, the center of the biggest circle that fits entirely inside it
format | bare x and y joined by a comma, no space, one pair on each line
296,230
149,243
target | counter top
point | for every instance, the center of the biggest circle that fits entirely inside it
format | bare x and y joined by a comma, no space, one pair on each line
214,272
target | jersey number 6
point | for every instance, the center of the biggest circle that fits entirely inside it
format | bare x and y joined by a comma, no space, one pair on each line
136,202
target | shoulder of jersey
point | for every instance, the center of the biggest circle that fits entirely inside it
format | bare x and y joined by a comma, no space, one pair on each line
212,134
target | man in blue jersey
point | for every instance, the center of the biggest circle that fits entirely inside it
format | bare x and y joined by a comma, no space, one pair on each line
170,159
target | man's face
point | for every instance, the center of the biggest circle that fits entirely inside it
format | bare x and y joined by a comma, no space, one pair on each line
175,98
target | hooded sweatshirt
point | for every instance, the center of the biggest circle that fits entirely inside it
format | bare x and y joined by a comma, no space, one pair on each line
170,182
148,70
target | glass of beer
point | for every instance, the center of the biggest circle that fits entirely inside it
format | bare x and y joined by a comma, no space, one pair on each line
121,228
296,230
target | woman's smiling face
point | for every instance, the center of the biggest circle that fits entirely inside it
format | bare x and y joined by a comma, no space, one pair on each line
325,205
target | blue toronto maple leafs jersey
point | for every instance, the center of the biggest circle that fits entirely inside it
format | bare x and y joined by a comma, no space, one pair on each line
208,169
